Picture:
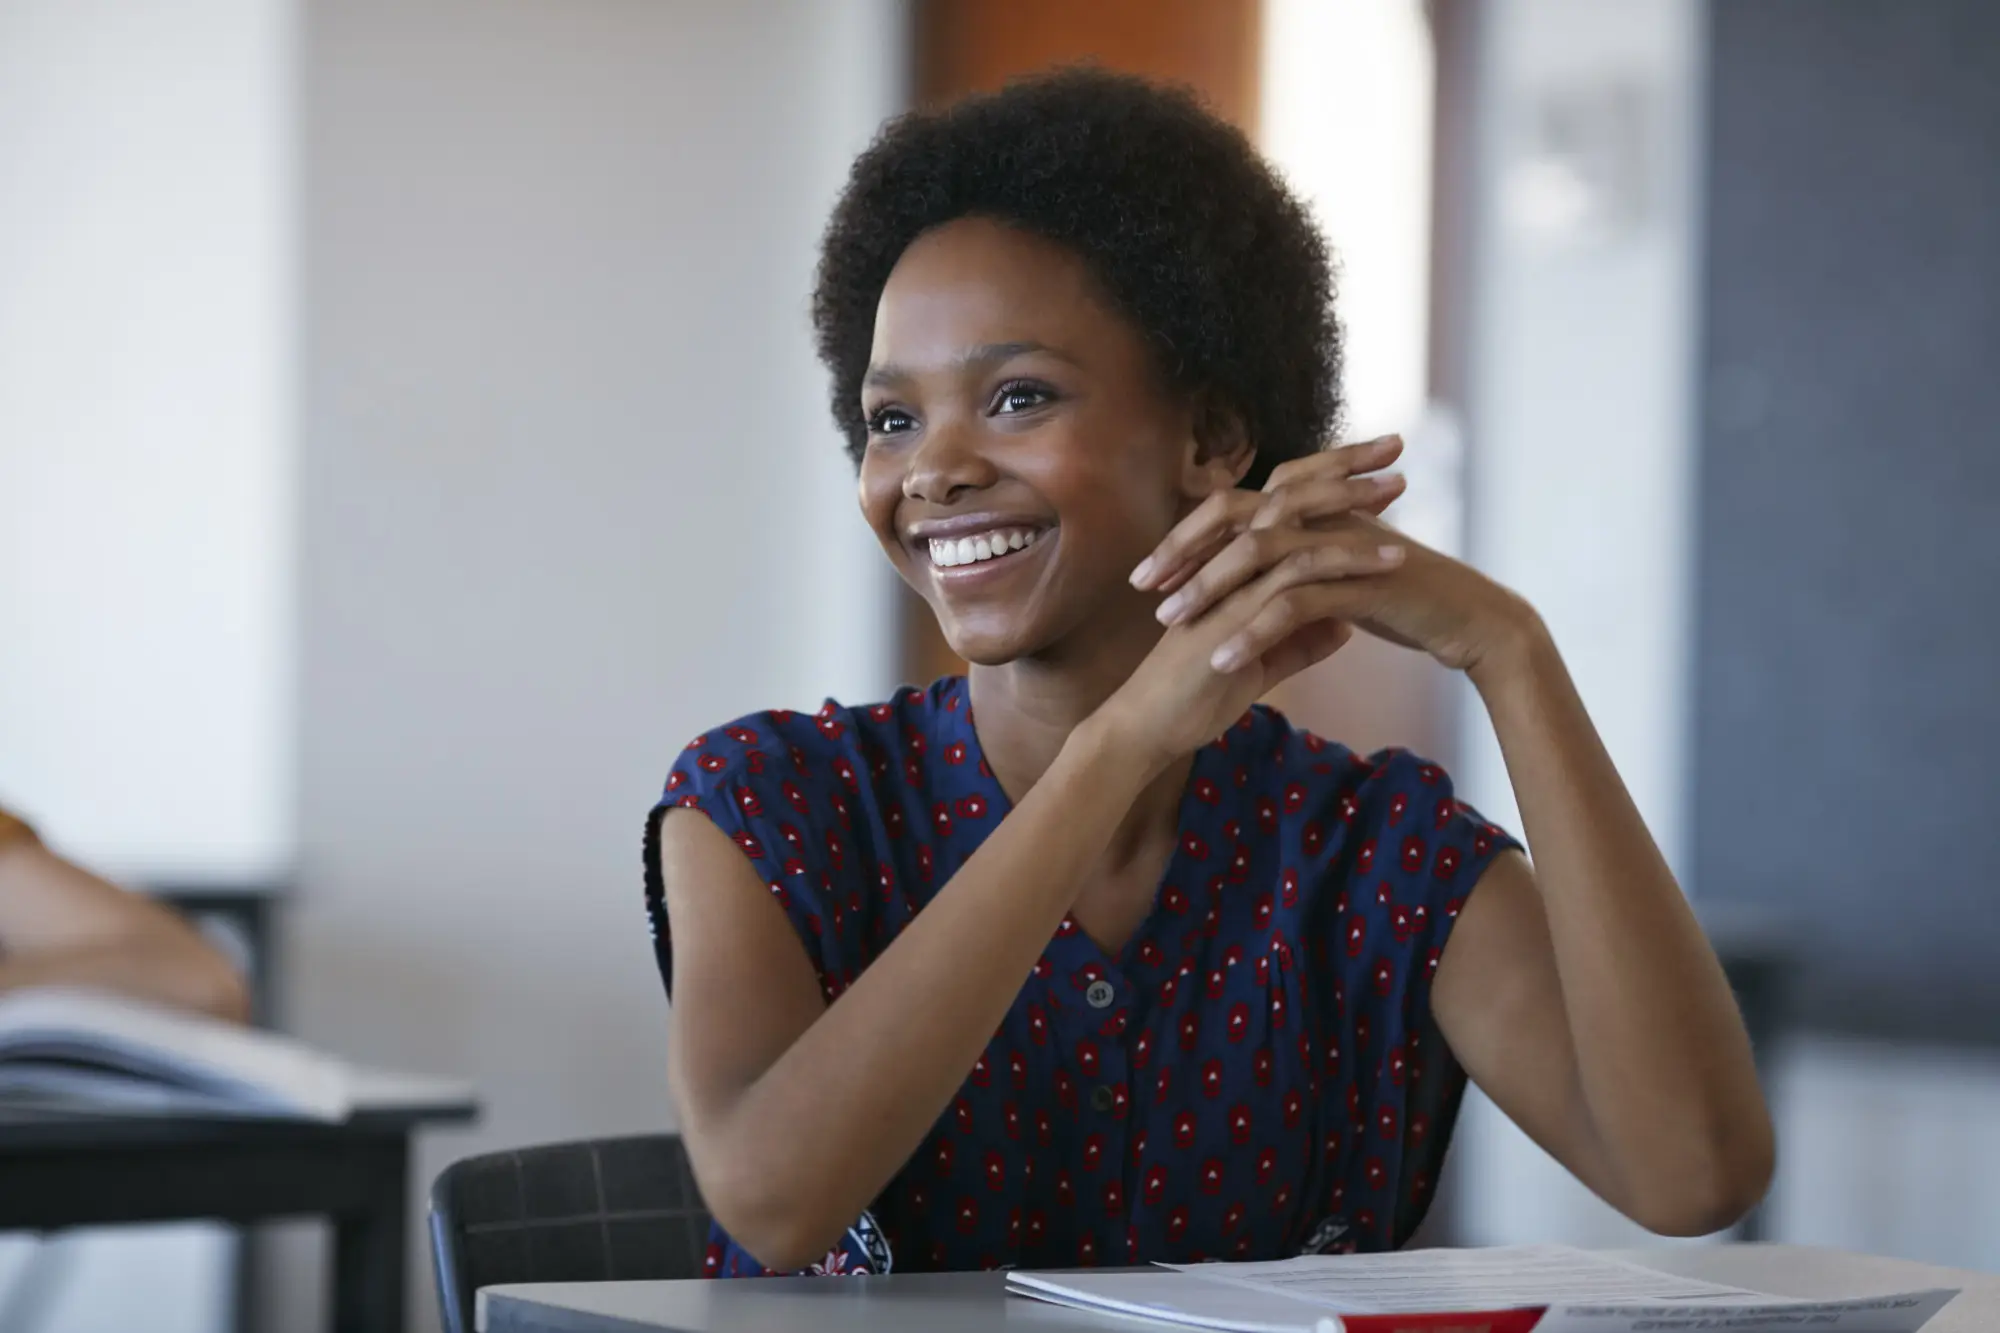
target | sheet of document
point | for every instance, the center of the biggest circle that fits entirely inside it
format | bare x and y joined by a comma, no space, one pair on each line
1493,1290
1487,1279
1174,1299
1883,1314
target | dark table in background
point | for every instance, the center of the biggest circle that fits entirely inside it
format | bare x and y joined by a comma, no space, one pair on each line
65,1170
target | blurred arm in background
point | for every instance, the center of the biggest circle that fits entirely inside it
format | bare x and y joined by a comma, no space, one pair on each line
62,925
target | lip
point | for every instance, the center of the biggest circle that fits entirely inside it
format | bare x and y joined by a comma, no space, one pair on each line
969,525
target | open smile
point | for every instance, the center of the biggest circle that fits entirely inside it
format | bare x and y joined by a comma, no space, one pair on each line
974,555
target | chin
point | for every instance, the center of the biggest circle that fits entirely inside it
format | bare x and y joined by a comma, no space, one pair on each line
987,649
996,638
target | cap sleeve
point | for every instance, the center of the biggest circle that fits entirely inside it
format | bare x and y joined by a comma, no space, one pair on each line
1423,850
768,791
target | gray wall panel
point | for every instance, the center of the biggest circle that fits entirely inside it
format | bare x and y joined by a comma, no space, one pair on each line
1848,583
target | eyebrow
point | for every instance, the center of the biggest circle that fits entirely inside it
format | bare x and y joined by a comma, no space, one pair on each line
985,354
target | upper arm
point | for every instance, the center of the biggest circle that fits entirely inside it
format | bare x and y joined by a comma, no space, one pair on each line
744,988
1498,1001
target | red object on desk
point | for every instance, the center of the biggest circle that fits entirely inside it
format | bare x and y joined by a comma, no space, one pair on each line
1462,1321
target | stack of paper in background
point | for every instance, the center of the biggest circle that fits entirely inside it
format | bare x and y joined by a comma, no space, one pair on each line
79,1051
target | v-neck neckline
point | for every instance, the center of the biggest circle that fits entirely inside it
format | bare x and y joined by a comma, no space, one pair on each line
958,704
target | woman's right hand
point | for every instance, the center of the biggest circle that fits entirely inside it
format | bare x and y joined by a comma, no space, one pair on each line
1231,553
1176,701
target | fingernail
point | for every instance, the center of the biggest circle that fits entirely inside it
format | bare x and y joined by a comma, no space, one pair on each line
1391,554
1144,573
1226,657
1171,609
1387,480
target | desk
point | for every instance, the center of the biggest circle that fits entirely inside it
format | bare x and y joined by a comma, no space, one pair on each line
79,1170
977,1303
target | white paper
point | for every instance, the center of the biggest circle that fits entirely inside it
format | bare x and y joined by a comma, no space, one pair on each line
1583,1293
51,1036
1173,1298
1501,1278
1884,1314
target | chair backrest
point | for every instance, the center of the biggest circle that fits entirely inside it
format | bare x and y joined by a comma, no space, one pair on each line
596,1210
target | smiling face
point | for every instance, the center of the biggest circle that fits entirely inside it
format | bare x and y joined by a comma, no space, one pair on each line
1023,452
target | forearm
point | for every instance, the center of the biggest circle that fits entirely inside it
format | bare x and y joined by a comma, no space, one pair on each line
1663,1064
181,973
817,1136
62,925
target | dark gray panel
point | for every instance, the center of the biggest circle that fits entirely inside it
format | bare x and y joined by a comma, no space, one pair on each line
1848,588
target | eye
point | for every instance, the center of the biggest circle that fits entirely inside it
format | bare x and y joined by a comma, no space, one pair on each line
890,421
1017,396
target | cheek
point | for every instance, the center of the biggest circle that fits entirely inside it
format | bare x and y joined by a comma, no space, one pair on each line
1118,499
878,490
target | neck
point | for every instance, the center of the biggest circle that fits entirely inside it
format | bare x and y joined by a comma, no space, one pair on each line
1026,709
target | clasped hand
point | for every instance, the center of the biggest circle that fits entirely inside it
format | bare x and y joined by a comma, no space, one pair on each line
1262,584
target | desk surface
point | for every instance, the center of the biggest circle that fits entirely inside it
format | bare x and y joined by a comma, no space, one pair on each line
977,1303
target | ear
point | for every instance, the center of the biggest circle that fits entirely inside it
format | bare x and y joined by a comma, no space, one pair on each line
1219,450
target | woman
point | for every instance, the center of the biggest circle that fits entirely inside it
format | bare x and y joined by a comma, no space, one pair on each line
1133,970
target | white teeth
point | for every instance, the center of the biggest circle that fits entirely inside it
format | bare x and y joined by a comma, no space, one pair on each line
949,554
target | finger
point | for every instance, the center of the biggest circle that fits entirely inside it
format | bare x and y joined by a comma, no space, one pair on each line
1244,558
1348,460
1197,559
1325,497
1285,557
1197,537
1227,510
1289,610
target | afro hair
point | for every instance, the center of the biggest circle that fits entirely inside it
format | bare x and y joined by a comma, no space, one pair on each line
1185,226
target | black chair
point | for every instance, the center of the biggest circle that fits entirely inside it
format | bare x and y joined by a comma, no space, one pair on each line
598,1210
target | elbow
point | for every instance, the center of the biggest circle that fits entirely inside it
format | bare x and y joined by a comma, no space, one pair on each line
1716,1189
776,1211
782,1247
192,974
173,965
774,1224
221,992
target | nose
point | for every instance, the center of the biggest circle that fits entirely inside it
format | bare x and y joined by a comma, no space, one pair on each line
947,463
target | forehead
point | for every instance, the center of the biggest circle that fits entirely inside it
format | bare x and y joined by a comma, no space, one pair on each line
975,282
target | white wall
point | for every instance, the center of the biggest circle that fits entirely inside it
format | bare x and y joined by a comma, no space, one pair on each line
145,418
145,507
1347,92
570,495
1581,439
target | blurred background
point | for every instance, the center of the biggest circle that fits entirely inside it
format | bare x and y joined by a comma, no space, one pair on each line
410,436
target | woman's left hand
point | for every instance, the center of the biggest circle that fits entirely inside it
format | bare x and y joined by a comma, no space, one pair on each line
1297,575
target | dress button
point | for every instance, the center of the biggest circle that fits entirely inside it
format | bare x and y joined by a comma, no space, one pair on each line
1100,994
1102,1098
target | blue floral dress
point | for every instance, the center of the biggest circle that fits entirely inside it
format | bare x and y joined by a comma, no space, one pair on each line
1254,1075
